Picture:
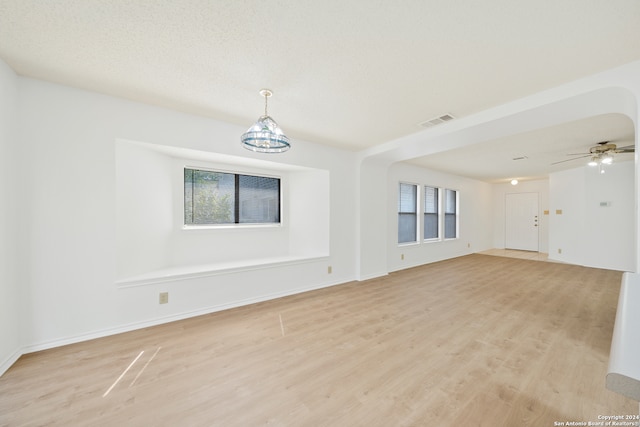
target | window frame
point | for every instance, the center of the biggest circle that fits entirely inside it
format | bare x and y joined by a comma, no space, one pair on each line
456,215
235,208
438,210
421,200
416,213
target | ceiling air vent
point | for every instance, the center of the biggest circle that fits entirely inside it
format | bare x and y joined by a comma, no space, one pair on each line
437,120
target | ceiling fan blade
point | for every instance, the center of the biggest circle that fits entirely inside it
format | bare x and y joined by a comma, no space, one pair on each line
575,158
627,149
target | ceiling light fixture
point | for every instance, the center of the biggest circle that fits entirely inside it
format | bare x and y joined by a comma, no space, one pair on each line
600,160
265,136
607,160
514,182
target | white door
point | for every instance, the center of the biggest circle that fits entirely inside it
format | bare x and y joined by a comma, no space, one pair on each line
522,221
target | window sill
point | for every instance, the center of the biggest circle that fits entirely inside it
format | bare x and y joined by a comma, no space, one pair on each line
409,244
207,270
229,226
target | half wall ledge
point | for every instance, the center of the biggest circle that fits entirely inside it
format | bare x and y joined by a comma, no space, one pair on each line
172,274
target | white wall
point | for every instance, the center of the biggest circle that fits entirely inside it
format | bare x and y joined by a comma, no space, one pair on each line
475,218
372,208
584,233
499,210
309,212
11,300
68,138
144,209
587,233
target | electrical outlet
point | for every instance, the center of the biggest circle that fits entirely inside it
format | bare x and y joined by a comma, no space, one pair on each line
164,298
329,270
402,257
559,251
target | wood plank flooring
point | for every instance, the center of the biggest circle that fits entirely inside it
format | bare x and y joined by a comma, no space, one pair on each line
473,341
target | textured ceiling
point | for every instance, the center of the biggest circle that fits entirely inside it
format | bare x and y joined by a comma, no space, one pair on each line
351,74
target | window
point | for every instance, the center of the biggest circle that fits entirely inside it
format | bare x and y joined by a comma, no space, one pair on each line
431,209
431,218
407,213
226,198
450,214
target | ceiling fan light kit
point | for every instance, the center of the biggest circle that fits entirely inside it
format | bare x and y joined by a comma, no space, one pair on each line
606,160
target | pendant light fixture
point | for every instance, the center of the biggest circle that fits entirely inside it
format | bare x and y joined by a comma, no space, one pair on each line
265,136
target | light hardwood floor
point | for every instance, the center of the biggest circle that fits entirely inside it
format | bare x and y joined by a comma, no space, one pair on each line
473,341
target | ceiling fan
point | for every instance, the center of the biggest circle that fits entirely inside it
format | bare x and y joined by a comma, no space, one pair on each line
601,153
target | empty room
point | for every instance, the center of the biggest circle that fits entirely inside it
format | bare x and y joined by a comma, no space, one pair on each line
337,213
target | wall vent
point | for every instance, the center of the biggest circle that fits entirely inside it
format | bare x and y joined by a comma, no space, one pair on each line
437,120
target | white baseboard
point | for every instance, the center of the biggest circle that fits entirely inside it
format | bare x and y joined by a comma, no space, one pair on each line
372,276
9,361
